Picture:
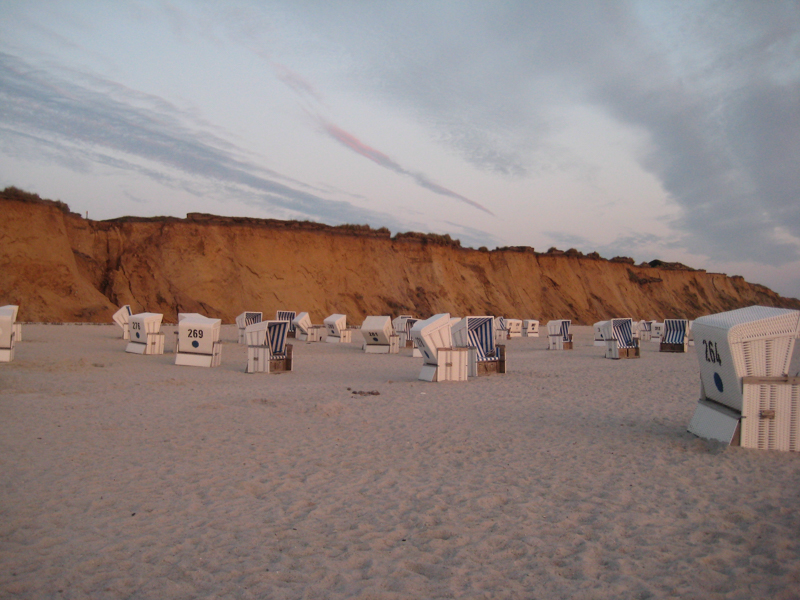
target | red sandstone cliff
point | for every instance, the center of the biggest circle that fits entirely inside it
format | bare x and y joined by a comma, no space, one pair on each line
60,267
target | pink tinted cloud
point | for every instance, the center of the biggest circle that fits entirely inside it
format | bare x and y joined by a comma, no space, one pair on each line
353,143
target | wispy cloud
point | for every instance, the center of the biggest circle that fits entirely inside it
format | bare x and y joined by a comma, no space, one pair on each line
81,126
348,140
305,90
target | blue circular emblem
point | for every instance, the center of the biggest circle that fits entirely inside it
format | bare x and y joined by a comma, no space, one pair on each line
718,381
137,335
195,344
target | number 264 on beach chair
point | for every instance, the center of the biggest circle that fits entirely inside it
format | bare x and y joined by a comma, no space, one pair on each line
747,396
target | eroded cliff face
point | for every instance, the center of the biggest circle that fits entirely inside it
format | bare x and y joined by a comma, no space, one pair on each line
60,267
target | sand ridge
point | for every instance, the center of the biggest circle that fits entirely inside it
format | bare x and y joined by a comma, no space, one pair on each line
125,476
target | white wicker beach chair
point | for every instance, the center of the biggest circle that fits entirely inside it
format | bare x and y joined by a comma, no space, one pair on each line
477,334
145,334
599,336
198,341
514,327
441,361
305,331
267,350
500,330
379,337
399,326
248,317
619,339
645,330
121,318
559,337
336,327
747,397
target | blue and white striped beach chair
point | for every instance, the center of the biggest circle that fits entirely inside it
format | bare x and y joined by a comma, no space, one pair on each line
287,315
619,339
558,335
267,350
244,320
676,336
441,362
478,334
500,330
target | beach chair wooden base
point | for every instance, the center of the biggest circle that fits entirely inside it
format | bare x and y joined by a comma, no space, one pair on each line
556,342
771,413
153,344
314,334
487,367
259,360
770,417
191,359
453,366
392,348
613,351
674,347
344,337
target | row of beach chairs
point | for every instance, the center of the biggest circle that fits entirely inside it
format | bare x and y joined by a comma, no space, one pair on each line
747,396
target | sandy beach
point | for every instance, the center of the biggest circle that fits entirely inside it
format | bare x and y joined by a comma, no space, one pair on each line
572,476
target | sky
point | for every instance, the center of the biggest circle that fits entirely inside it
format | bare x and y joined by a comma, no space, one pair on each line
650,129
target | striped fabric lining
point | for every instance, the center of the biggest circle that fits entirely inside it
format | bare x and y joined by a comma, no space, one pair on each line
674,331
565,330
276,338
251,317
622,333
481,336
287,315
